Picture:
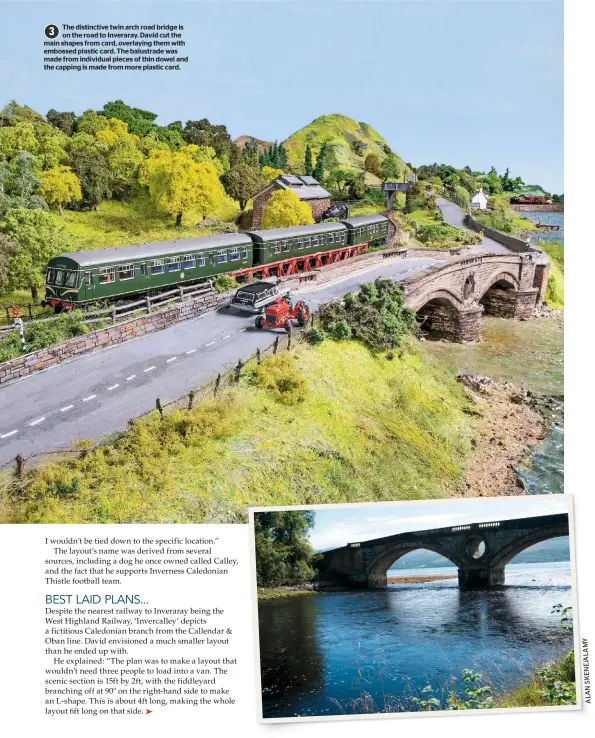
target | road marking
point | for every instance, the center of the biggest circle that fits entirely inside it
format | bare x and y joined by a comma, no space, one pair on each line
149,369
132,376
90,397
10,433
227,336
64,409
241,330
173,358
113,387
209,344
190,352
39,420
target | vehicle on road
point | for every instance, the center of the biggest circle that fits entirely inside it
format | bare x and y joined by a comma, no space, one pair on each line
254,297
283,313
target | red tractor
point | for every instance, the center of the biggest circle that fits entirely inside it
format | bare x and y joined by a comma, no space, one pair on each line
282,313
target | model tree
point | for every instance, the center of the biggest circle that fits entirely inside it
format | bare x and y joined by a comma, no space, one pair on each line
124,159
308,166
318,172
241,182
179,184
284,209
59,187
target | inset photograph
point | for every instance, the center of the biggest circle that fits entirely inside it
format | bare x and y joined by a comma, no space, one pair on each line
426,607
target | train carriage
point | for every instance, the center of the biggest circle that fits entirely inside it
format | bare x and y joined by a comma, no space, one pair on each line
82,277
372,229
279,244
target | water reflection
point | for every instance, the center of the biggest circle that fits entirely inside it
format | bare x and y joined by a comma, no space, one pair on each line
321,652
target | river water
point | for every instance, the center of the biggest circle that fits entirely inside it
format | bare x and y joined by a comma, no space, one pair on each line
549,219
530,354
321,653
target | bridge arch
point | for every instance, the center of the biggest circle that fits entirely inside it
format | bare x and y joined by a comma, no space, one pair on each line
500,279
507,553
377,568
443,315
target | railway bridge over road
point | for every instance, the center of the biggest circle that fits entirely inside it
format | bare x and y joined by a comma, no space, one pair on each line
451,297
480,551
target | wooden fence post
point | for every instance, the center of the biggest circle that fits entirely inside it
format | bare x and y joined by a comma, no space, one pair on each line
276,345
258,356
289,342
20,466
217,383
148,304
238,370
159,407
114,313
191,399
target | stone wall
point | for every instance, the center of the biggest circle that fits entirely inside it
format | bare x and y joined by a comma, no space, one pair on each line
514,244
509,303
120,333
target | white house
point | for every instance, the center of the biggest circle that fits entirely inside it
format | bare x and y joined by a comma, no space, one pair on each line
479,200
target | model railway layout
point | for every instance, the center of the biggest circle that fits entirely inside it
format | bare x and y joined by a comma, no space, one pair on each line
80,278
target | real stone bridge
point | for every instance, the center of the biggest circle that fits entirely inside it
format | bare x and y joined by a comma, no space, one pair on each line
450,298
480,551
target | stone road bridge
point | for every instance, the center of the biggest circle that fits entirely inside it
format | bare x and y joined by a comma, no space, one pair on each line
450,298
480,551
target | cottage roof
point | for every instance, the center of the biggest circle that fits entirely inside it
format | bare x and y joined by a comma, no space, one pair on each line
305,187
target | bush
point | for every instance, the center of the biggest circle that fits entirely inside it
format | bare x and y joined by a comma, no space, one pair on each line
442,235
223,283
376,316
280,375
43,334
314,336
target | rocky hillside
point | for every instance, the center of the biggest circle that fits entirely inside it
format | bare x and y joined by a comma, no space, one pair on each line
241,141
349,141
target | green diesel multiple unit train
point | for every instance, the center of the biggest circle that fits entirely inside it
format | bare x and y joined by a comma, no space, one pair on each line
83,277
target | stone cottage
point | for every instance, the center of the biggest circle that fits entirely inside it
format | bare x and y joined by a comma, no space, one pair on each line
306,188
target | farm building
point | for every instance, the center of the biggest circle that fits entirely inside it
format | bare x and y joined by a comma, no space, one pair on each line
479,201
306,188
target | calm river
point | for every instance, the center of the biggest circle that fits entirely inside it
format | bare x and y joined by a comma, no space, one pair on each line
320,653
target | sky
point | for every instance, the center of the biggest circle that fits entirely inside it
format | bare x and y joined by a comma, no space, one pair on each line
338,526
463,82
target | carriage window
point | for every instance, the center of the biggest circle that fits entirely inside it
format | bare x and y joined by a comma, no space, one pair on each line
306,243
276,248
221,257
70,279
234,255
300,244
173,264
211,258
59,280
51,275
244,252
157,266
314,241
188,261
107,275
126,271
201,260
285,245
143,270
88,279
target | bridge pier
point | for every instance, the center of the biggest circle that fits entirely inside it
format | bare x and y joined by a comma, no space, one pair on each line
480,578
449,324
504,303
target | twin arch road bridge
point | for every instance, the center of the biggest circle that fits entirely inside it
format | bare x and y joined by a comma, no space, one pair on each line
480,551
450,298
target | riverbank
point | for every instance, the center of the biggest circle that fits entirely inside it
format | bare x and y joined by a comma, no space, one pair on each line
421,579
512,422
279,593
557,681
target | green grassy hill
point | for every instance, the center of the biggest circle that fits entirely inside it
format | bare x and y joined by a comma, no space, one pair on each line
338,132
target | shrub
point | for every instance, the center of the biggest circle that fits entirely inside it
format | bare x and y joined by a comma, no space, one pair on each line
280,375
376,316
314,336
223,283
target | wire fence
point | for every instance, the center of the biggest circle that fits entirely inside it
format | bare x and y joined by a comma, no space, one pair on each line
228,377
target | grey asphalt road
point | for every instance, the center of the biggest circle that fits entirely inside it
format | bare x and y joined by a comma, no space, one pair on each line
455,216
97,394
